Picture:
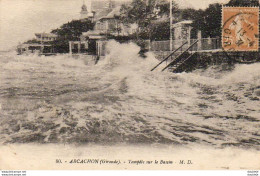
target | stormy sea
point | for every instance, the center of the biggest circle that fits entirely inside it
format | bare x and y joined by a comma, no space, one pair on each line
67,100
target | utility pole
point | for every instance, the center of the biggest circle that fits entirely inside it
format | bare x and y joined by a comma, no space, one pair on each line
171,25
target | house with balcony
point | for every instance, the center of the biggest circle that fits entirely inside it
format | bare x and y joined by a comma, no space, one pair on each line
107,24
45,37
40,45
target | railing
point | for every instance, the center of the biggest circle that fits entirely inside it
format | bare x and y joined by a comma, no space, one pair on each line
179,57
170,55
202,45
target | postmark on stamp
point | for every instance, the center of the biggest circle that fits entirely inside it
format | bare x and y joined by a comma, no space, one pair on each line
240,28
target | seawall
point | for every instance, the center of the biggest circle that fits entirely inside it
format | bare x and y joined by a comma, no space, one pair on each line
204,59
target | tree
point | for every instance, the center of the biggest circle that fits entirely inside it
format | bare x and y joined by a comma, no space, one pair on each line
191,14
160,31
208,20
243,3
212,17
198,18
70,31
138,12
143,13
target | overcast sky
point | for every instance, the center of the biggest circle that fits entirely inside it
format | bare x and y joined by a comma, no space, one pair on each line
20,19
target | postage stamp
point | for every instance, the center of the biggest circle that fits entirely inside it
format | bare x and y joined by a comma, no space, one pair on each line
240,28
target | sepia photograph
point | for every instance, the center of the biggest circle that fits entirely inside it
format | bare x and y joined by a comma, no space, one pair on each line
129,85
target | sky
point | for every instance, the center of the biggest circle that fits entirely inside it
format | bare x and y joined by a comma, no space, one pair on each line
20,19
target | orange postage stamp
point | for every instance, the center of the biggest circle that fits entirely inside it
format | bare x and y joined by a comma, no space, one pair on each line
240,28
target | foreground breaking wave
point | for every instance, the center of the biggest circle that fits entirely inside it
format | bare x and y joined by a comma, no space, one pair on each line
61,99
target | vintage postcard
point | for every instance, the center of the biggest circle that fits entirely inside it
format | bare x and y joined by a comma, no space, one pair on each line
129,85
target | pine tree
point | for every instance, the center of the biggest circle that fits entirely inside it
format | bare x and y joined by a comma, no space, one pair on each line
243,3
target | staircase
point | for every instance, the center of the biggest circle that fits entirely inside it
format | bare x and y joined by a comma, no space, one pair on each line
165,59
177,67
180,60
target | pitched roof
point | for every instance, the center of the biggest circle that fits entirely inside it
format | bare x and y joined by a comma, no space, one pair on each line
113,13
101,13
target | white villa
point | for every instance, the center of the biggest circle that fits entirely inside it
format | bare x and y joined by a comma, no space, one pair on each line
45,37
107,24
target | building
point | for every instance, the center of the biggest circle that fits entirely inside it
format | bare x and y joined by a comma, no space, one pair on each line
86,14
97,9
111,25
107,24
40,45
182,30
35,48
45,37
99,5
